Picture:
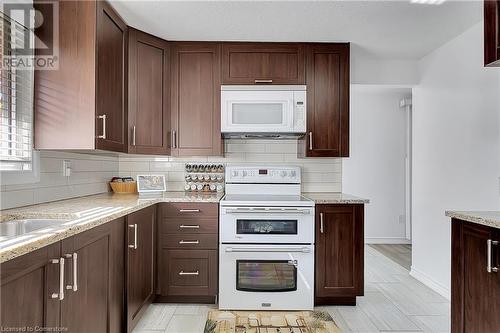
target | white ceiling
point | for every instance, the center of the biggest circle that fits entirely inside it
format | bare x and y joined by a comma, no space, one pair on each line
385,29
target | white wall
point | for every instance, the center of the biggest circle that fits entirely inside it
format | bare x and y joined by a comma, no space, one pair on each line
318,174
375,168
90,174
455,148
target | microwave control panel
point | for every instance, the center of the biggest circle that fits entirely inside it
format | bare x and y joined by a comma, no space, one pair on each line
299,111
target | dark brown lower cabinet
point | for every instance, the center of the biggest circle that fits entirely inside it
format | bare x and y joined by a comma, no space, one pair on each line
76,284
187,250
140,260
27,284
339,254
475,291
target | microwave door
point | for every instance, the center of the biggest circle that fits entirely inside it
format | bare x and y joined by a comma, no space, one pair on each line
248,112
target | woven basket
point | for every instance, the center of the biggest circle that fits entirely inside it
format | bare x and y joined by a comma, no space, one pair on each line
123,188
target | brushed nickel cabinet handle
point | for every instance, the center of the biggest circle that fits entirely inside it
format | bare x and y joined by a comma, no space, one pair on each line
133,246
133,136
310,140
489,268
189,242
74,256
189,273
262,81
174,139
103,135
189,210
60,295
182,226
321,223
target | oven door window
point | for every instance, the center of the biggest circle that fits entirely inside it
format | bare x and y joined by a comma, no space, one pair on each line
266,275
273,227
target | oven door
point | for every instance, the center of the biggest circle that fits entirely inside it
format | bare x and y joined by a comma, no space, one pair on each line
257,111
267,225
268,277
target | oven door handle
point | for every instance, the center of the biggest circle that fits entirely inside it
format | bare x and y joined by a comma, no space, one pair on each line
269,249
268,210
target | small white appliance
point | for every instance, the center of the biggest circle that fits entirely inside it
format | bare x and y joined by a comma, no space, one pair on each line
266,253
263,111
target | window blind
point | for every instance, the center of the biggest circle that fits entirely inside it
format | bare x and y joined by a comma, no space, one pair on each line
16,98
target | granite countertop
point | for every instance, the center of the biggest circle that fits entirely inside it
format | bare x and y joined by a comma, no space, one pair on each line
334,198
489,219
81,214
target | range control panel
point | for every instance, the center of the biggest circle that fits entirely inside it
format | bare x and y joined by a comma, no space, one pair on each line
262,175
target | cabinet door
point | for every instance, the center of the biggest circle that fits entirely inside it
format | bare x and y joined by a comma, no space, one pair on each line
492,33
475,301
258,63
339,251
27,285
148,94
111,118
140,263
196,99
94,279
327,81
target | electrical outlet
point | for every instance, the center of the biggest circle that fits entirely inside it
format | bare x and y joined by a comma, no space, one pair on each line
66,168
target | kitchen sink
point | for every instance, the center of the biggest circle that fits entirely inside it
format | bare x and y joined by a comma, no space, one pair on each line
20,227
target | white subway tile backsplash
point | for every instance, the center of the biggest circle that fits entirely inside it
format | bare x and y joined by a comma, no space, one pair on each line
91,172
319,174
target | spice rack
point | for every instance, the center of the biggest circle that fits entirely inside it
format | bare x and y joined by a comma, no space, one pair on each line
204,177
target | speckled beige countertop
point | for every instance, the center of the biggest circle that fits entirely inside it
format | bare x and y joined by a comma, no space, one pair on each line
489,219
80,214
334,198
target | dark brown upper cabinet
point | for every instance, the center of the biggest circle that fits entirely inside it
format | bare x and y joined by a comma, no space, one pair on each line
195,99
148,94
492,33
263,63
82,104
327,80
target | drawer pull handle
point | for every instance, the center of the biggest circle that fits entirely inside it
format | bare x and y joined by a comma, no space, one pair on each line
189,242
182,226
133,246
189,210
263,81
189,273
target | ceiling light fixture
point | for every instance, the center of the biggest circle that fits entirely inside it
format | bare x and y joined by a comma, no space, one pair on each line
428,2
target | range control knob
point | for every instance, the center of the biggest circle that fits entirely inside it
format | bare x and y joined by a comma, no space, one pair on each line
234,173
283,174
244,173
293,174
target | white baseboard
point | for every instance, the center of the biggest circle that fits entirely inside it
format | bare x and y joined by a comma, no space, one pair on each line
431,283
386,240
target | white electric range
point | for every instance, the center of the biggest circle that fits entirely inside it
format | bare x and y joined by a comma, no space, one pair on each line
266,256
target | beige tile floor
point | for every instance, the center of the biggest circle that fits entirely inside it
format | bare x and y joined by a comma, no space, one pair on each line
393,302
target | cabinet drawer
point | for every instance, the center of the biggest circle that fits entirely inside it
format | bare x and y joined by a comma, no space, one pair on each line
190,210
189,226
190,241
190,272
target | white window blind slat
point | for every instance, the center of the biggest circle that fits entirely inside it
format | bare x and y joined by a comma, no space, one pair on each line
16,99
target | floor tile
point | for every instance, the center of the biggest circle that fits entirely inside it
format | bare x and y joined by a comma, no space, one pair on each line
186,324
434,324
156,317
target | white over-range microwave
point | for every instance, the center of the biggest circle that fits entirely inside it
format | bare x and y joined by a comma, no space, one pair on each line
271,111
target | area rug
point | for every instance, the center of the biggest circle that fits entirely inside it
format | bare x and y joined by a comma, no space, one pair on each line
270,322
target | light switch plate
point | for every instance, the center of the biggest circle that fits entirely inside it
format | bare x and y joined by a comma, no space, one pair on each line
66,168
